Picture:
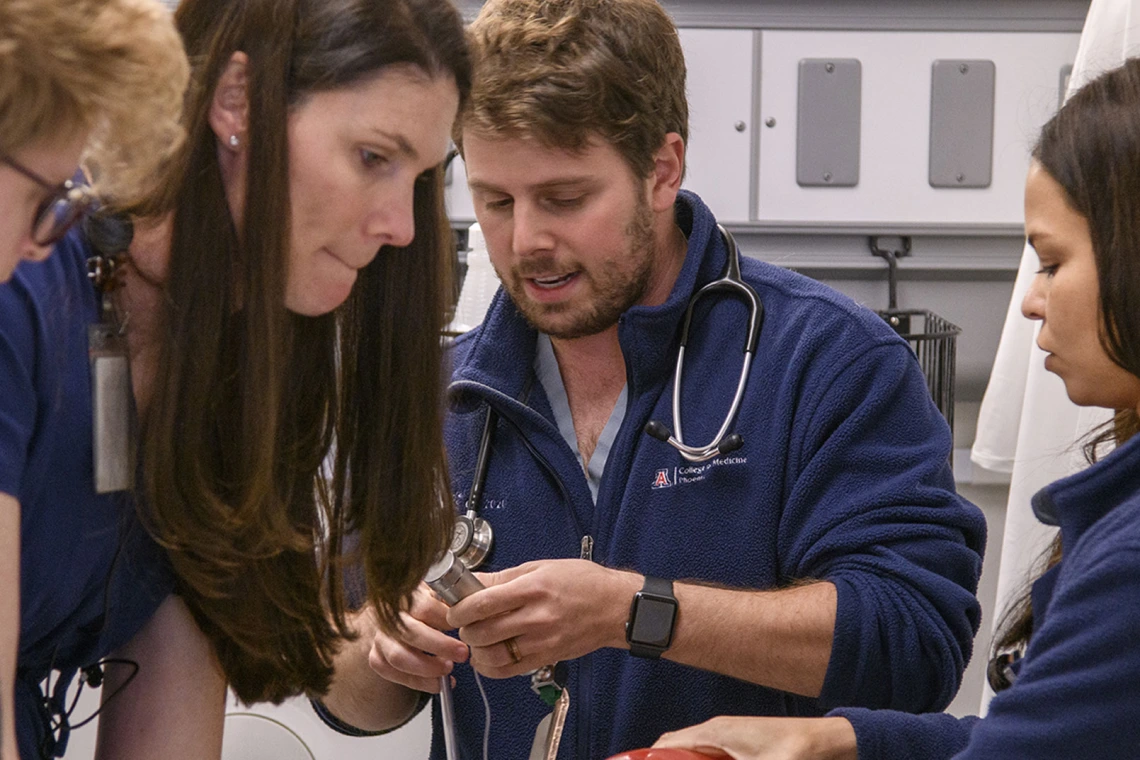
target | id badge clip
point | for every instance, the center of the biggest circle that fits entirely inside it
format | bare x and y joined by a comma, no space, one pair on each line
107,351
549,683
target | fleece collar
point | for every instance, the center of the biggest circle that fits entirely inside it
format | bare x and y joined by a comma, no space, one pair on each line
1076,502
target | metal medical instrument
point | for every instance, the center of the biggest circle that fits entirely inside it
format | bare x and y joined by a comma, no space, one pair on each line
731,282
472,537
451,579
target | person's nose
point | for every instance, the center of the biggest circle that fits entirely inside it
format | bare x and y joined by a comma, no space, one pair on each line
392,218
529,232
1033,304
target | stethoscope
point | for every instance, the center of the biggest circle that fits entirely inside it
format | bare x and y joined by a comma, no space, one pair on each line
730,281
472,537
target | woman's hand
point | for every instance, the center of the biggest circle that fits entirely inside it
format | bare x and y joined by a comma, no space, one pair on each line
419,655
746,738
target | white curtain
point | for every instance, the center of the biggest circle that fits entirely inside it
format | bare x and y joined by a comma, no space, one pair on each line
1027,426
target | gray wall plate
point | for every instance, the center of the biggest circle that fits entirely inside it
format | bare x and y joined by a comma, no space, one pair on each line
829,113
961,123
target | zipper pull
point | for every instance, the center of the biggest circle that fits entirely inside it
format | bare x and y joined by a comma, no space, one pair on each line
587,548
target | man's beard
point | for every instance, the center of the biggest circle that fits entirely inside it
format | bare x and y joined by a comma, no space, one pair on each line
614,288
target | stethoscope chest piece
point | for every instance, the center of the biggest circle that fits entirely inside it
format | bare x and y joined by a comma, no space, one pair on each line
471,539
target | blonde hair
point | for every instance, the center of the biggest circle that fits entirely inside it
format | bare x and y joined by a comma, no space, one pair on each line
114,69
563,71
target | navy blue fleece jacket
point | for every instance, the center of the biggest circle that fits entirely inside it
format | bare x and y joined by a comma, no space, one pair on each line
1077,693
843,476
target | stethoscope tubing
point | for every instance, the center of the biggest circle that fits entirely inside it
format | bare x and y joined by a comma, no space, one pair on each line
731,281
698,454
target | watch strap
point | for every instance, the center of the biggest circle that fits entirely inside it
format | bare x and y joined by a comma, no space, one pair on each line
658,587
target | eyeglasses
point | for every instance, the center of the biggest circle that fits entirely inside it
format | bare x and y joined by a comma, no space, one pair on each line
64,205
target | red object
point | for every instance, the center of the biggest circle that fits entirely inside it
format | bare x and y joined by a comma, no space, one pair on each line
661,754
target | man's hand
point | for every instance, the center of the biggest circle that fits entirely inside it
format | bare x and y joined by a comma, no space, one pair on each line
422,652
554,610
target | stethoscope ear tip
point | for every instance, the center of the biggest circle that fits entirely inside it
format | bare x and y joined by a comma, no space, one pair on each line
730,444
656,430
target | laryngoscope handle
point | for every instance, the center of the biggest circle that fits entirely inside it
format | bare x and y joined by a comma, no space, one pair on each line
451,579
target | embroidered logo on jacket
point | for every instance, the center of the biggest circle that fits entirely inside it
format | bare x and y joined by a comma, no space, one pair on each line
692,473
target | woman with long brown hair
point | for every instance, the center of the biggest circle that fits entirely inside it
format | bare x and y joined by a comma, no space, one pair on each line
278,300
1075,691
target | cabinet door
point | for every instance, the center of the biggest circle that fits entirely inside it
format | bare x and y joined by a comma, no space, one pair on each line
720,66
894,187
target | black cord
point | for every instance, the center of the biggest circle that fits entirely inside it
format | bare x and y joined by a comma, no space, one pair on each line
93,675
58,718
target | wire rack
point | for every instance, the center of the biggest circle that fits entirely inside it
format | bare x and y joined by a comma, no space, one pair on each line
933,339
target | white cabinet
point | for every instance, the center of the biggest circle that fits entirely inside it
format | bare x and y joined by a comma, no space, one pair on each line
893,189
720,85
720,64
741,154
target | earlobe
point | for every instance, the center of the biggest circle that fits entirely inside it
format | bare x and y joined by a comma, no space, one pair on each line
668,172
229,110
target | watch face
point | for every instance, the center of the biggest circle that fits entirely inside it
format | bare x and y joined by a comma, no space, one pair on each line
653,623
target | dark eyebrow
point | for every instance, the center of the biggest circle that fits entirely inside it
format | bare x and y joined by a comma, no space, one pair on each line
1033,238
554,184
483,186
402,144
561,182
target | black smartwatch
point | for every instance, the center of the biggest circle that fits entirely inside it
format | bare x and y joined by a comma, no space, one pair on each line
652,617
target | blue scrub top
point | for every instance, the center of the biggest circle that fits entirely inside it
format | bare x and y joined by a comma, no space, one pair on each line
90,576
550,375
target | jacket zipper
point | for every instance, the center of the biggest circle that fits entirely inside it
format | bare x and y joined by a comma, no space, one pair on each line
585,672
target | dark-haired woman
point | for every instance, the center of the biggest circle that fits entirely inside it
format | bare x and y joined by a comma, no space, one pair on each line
1076,691
278,301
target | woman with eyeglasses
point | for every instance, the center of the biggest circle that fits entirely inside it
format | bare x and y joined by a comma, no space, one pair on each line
100,79
103,79
1068,658
245,396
